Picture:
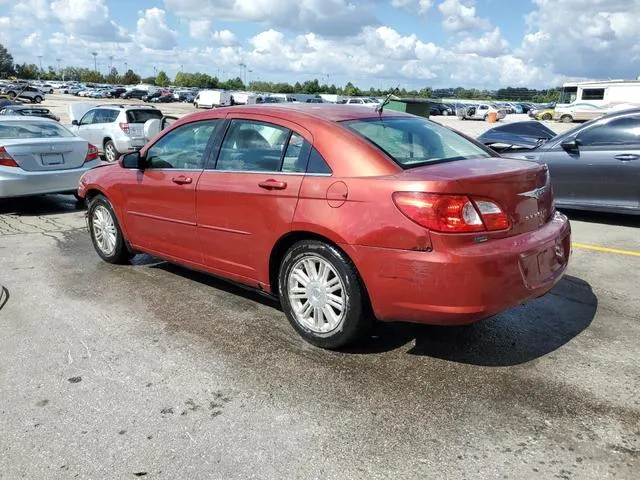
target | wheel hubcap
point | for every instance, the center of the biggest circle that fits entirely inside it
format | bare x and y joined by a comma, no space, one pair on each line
111,154
317,295
104,230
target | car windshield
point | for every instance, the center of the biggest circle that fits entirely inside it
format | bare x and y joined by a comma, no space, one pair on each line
32,129
141,116
414,141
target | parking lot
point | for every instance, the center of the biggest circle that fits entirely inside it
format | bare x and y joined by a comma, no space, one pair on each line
154,371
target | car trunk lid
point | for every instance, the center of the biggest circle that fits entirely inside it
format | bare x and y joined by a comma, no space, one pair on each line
47,154
522,189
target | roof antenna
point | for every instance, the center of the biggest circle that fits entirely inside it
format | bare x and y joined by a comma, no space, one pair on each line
380,107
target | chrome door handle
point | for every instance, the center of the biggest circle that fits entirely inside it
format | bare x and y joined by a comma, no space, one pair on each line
626,157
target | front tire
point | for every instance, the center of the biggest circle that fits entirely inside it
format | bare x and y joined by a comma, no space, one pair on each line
322,295
547,116
566,119
105,232
111,153
38,99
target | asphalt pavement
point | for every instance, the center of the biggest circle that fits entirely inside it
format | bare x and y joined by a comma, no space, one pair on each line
154,371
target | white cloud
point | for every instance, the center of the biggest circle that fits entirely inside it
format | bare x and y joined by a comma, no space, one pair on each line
421,7
327,17
225,37
199,29
87,19
490,44
596,39
153,32
458,15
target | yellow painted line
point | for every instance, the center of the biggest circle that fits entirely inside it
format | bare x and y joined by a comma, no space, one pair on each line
606,249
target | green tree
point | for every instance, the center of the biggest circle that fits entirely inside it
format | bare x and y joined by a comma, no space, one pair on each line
6,63
113,76
28,72
162,80
351,90
149,80
91,76
130,78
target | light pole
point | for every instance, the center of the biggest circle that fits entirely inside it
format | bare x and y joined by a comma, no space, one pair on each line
126,67
95,62
58,60
110,63
243,68
249,77
40,72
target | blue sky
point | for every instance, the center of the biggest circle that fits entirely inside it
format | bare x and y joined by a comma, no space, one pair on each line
414,43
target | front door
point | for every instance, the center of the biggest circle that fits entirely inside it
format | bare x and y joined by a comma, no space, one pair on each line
160,202
247,200
604,169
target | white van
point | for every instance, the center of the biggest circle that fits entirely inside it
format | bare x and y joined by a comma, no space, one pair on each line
587,100
212,99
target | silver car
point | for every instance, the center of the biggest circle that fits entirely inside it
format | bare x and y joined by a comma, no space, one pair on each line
38,156
114,129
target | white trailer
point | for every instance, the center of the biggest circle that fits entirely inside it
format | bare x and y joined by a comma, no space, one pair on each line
212,99
587,100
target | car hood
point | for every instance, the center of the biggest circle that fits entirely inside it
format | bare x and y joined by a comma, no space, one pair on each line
528,135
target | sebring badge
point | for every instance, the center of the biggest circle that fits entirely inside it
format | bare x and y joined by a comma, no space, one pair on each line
537,193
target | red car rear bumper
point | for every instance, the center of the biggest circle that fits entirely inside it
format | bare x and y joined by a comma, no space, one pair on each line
466,284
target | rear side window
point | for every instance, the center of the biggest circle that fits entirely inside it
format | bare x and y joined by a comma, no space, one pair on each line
593,94
317,164
414,141
183,147
252,146
142,115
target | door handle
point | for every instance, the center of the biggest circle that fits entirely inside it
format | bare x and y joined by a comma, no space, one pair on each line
625,157
182,180
273,185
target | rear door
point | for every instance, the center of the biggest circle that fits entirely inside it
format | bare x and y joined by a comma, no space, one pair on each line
247,199
159,202
604,170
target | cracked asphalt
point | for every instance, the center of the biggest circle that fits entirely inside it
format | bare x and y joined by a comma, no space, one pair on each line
153,371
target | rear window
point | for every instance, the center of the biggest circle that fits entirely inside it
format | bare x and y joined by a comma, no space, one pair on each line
141,116
414,141
32,129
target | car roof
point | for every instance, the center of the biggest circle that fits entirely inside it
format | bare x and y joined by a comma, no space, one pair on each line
305,111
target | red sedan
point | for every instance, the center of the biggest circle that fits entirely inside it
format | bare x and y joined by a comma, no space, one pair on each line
342,213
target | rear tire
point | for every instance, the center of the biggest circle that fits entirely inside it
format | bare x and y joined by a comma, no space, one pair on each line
111,153
322,295
547,116
566,119
105,232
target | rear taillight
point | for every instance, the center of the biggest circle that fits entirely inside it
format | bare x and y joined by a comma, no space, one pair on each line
6,160
451,213
92,154
124,127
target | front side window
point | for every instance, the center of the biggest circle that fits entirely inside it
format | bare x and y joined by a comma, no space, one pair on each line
593,94
621,131
182,148
413,141
253,146
568,95
88,118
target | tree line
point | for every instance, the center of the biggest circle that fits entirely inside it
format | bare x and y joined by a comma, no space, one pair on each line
203,80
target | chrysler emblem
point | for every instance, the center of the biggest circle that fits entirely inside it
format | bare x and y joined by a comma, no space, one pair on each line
537,193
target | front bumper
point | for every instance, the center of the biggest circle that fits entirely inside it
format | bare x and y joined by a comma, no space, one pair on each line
466,284
15,182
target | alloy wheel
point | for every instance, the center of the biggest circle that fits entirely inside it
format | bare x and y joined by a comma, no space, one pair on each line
104,230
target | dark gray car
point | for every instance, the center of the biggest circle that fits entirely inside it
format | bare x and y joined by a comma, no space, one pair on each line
595,166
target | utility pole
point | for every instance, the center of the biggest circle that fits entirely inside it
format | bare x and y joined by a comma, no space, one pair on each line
95,64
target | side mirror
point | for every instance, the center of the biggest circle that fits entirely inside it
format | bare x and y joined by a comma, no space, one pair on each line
132,160
571,146
75,122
